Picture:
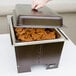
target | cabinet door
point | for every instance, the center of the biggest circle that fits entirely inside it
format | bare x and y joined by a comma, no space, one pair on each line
50,53
26,56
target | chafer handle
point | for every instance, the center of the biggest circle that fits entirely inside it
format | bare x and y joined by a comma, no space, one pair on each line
10,36
34,10
63,33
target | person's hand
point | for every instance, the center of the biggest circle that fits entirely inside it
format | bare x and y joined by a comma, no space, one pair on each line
38,3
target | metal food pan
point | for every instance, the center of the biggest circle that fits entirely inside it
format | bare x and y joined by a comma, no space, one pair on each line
24,16
56,34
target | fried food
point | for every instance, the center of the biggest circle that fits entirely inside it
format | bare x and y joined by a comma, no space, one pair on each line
34,34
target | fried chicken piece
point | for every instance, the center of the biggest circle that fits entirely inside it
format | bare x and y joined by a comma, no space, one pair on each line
25,38
51,35
48,35
35,36
39,30
17,29
30,30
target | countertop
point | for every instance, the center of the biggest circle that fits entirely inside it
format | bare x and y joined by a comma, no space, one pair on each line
67,65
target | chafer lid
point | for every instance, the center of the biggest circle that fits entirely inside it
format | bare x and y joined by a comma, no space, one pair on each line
24,16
